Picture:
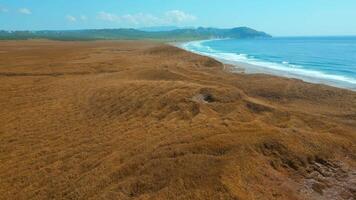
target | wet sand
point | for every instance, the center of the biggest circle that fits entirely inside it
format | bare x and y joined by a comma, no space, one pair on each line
140,120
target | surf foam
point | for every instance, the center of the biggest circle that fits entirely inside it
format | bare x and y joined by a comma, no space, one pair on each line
284,68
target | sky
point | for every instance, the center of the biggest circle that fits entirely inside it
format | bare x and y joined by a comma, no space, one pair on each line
276,17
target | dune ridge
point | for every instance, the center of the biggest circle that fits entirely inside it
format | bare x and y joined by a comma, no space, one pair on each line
140,120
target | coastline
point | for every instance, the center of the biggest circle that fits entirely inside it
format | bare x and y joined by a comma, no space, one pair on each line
250,68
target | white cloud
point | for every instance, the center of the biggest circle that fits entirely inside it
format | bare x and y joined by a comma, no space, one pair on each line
3,9
108,17
177,16
71,18
142,19
83,17
25,11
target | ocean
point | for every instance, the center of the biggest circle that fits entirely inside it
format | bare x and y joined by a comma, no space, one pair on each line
327,60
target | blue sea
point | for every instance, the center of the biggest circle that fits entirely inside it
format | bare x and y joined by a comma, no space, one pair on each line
327,60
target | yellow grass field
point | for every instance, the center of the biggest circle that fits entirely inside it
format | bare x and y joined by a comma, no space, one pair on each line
140,120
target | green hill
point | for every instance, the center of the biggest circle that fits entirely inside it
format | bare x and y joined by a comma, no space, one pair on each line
134,34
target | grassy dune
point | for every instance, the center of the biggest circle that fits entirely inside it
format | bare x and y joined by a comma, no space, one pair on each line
140,120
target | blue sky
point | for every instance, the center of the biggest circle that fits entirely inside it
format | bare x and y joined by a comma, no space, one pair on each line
277,17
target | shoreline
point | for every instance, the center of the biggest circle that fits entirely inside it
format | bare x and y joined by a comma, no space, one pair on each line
249,68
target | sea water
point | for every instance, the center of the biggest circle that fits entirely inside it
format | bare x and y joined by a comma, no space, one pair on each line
327,60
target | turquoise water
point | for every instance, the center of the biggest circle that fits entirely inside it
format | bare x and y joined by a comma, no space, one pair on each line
328,60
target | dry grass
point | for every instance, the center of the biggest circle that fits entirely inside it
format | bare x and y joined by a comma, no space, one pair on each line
137,120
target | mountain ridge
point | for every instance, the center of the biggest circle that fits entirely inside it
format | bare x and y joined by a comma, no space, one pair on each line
135,34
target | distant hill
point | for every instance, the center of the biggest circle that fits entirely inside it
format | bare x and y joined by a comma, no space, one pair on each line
159,28
134,34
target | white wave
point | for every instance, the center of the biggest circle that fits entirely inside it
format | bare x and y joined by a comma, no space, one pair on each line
284,68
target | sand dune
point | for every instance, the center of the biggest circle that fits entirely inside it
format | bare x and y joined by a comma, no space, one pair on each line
139,120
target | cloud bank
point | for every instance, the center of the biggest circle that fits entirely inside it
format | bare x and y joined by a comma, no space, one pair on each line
173,17
25,11
3,9
71,18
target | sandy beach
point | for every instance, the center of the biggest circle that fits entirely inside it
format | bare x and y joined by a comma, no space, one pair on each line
142,120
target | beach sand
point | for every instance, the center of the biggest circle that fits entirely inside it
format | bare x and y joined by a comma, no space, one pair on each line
140,120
